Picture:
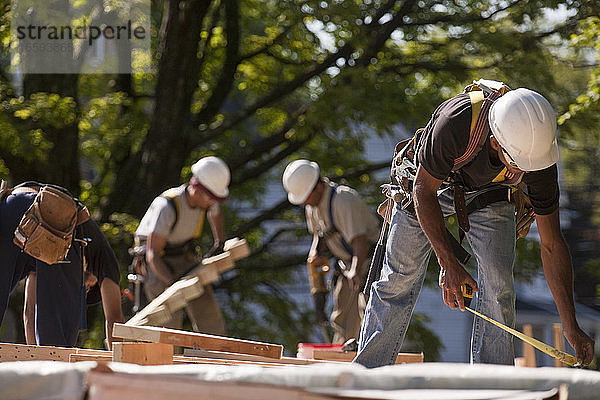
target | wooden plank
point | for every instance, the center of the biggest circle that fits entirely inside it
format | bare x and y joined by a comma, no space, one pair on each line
196,340
24,352
99,358
210,273
174,298
238,248
347,356
143,353
220,355
222,262
201,360
177,296
528,350
559,341
93,352
109,386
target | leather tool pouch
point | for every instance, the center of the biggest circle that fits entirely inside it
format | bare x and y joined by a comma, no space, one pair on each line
524,213
46,229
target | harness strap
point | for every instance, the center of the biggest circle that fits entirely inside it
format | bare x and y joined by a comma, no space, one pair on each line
479,202
485,199
479,129
346,246
173,200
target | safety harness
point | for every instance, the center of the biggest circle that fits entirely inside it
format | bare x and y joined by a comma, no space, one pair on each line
482,94
334,229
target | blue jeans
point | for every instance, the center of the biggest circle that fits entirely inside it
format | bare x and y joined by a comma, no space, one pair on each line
393,297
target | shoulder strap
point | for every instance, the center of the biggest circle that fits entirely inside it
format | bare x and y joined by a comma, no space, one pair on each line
346,246
173,199
482,94
479,125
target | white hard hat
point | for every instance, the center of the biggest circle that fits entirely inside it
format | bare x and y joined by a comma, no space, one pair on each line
524,123
213,174
299,180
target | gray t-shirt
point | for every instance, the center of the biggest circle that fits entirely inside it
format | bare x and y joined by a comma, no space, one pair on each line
351,215
160,218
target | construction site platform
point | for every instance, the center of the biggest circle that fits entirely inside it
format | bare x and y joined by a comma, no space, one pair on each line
422,381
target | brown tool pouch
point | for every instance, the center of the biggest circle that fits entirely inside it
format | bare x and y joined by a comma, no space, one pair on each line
524,213
46,229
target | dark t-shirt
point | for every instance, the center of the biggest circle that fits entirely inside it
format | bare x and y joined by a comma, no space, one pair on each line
101,260
445,139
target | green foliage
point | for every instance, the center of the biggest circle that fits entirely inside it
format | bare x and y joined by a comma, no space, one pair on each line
420,339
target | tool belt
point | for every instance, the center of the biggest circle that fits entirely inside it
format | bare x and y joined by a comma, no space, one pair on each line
47,228
403,172
179,259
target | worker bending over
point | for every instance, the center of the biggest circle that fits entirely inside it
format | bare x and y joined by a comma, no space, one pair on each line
468,172
166,234
55,294
339,218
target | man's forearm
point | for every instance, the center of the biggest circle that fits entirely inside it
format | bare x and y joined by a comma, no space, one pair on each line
431,220
29,309
160,269
558,271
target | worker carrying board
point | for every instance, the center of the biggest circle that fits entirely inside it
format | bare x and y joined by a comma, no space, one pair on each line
476,148
337,217
164,241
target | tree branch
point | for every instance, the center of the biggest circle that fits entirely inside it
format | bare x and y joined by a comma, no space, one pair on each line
267,144
277,94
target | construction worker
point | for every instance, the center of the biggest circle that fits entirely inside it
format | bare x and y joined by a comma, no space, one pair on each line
54,299
459,172
167,232
337,216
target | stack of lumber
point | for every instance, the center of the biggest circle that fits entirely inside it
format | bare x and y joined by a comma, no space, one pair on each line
191,286
222,368
148,345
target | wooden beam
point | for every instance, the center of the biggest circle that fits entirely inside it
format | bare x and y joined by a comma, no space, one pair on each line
177,296
528,350
238,248
196,340
114,385
99,358
559,341
174,298
143,353
220,355
347,356
211,268
24,352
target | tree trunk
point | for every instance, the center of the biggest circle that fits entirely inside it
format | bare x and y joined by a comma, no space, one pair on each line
165,148
62,167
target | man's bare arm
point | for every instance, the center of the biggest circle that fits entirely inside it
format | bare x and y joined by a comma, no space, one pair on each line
29,308
360,250
111,303
558,271
154,248
452,274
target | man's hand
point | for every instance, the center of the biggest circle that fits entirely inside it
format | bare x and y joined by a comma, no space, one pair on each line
217,248
355,279
451,279
382,210
582,343
317,260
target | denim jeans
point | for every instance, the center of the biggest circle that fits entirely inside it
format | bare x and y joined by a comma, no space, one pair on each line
393,297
